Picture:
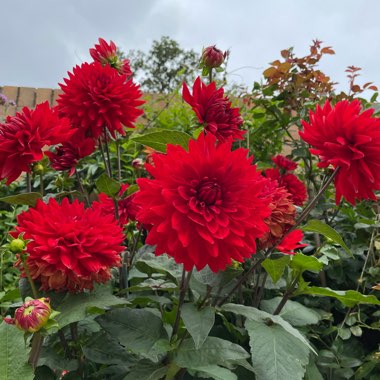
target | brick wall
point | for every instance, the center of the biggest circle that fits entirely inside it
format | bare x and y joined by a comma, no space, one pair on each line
26,96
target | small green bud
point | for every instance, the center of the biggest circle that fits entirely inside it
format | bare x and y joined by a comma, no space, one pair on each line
17,245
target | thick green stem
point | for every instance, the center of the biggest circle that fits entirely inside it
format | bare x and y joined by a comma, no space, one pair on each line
34,355
29,277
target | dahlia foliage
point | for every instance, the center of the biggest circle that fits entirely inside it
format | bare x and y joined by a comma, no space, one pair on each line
160,230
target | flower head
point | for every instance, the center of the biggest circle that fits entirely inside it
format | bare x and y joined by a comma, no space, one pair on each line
23,137
212,57
284,163
206,209
67,155
282,217
126,207
214,110
32,316
96,97
105,53
291,242
345,137
70,247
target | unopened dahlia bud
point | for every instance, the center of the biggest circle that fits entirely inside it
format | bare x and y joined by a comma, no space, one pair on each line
137,164
38,168
17,245
212,57
33,315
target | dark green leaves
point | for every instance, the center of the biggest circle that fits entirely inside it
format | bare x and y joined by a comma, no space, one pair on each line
107,185
28,199
275,267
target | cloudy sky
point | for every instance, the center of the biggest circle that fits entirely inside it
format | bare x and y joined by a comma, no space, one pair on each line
43,39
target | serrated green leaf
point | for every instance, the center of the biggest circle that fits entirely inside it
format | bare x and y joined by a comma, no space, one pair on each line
139,330
74,306
28,199
348,298
107,185
302,262
159,139
327,231
293,312
276,354
275,267
13,354
198,322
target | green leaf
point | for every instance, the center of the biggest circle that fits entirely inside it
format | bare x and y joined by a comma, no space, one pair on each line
139,330
276,354
107,185
302,262
327,231
13,354
262,316
28,199
159,139
275,267
74,306
198,322
146,370
293,312
348,298
214,372
214,351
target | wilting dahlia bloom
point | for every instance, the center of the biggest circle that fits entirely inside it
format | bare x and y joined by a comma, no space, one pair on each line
126,207
284,163
67,155
295,187
204,205
105,53
291,242
213,109
32,315
70,247
96,97
343,137
282,217
23,137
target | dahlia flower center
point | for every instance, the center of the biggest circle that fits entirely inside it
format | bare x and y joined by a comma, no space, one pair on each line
209,191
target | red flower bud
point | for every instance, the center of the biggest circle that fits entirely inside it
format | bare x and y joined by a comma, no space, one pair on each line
212,57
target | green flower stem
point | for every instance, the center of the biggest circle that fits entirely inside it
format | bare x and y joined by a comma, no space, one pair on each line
42,189
34,355
104,158
81,189
29,277
28,183
107,152
183,288
210,75
118,150
286,296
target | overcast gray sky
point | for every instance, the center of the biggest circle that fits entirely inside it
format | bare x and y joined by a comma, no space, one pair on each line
42,39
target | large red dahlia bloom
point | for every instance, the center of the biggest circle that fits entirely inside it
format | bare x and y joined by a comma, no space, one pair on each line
22,138
96,96
70,247
342,136
213,109
204,205
67,155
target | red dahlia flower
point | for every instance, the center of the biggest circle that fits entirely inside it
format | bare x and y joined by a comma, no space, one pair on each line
284,163
342,136
23,137
127,208
291,242
292,184
70,247
67,155
96,96
32,315
213,109
282,217
204,206
105,53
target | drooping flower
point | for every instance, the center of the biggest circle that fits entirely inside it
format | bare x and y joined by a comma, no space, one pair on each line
284,163
67,155
291,242
127,209
345,137
204,206
212,57
105,53
24,136
70,247
282,217
32,316
295,187
214,110
96,97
